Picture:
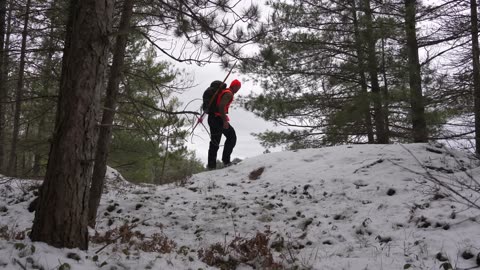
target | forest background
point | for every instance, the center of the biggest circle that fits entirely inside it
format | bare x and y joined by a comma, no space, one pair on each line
84,84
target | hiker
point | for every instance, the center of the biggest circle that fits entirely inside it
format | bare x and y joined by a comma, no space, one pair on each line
219,124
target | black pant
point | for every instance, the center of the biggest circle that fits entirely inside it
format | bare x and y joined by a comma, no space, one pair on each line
216,131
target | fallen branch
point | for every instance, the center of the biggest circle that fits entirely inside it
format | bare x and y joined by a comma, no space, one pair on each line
369,165
19,263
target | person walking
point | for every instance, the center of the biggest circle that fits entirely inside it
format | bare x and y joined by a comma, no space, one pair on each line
219,124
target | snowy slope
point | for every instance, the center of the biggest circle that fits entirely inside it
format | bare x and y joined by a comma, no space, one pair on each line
344,207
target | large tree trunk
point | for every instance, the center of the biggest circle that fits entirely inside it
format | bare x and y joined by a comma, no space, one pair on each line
12,162
416,97
363,79
382,136
62,212
476,71
3,79
105,135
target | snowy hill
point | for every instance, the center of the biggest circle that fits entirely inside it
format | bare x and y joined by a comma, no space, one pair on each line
344,207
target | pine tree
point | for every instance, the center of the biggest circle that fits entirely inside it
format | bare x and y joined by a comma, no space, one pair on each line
476,70
3,78
416,96
105,133
317,58
70,164
18,94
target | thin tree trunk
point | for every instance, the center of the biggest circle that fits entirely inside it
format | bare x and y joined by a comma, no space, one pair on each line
476,71
25,154
12,162
386,101
4,92
373,72
3,79
36,154
110,105
363,79
62,213
416,97
164,164
46,78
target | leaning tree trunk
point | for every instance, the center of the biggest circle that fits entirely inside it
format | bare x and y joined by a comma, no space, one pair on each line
12,162
363,80
3,79
416,97
105,135
382,136
62,211
476,71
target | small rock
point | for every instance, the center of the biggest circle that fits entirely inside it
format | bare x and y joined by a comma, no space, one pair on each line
384,239
391,192
467,255
306,223
111,207
360,183
73,256
441,257
255,174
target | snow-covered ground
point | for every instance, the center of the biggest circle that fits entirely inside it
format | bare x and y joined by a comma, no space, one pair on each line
344,207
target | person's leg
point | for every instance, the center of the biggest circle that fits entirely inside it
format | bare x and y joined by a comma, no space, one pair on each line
229,144
215,137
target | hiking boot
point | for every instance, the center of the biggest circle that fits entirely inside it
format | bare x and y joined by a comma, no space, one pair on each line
227,164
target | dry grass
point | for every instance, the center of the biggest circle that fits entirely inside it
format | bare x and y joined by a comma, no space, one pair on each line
253,251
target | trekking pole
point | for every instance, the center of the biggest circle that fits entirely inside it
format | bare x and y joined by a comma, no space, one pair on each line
200,119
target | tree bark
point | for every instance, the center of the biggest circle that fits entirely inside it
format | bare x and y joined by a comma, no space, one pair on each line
363,79
12,162
476,71
382,136
3,79
47,77
4,92
386,99
36,154
415,80
110,105
62,213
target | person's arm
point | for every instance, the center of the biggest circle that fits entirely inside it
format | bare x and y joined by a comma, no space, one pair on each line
226,98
